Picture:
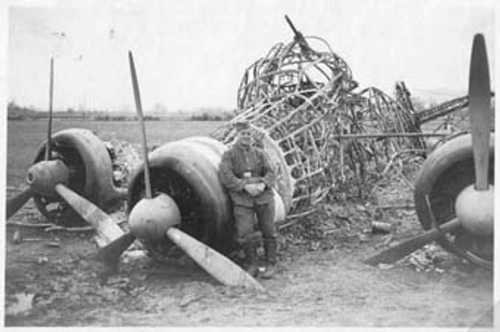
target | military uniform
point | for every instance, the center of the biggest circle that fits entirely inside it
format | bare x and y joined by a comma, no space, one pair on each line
241,165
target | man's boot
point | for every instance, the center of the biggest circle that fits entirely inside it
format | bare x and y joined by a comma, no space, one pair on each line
270,247
250,264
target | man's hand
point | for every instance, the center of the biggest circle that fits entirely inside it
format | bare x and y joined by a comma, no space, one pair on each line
261,186
254,189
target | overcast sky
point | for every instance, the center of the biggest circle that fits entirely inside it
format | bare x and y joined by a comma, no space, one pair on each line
192,53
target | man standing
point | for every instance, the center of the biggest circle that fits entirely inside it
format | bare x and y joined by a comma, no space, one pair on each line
248,175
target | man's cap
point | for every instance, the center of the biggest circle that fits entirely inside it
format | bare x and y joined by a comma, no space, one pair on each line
241,125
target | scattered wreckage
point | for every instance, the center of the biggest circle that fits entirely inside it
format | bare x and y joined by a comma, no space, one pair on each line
303,108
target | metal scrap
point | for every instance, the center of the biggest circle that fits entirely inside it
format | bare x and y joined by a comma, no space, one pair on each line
124,157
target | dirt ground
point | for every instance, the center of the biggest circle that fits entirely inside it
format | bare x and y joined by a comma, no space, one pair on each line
50,281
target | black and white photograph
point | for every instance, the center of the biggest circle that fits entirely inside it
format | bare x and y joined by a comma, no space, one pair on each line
254,163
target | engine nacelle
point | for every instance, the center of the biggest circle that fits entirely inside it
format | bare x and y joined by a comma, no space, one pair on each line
187,171
90,165
443,176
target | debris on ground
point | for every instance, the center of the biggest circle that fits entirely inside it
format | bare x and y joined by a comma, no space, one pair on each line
427,258
42,260
381,227
125,157
74,284
189,298
331,226
132,254
383,266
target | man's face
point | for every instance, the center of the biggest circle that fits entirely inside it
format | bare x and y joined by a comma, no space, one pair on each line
245,137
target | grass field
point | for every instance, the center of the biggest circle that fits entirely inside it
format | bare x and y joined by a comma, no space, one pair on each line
24,137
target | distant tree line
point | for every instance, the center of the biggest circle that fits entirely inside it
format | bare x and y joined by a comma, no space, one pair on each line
17,112
108,117
205,116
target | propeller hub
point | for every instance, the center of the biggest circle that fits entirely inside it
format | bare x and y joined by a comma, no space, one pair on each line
474,209
150,218
44,175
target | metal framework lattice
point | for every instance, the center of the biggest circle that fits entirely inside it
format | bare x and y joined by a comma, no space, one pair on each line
301,103
288,97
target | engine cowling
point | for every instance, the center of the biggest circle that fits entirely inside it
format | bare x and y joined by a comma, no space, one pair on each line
447,171
91,169
187,171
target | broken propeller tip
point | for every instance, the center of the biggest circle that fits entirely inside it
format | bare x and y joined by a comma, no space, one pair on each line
111,253
406,247
17,202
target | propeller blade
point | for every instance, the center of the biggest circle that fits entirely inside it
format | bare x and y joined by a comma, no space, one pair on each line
220,267
399,251
216,264
479,108
51,94
138,107
17,202
111,253
106,229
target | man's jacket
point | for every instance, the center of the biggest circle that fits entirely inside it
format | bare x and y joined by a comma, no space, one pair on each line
240,160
